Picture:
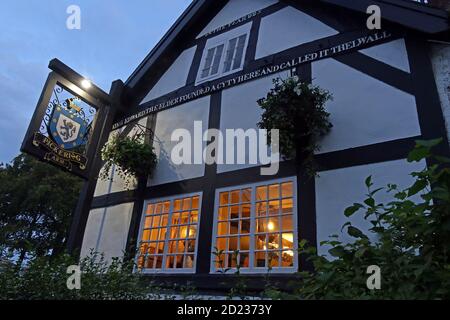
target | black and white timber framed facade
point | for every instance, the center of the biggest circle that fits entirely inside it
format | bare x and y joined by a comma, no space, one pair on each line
390,88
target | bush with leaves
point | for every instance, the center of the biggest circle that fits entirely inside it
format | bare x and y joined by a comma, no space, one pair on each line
412,247
46,279
297,110
408,240
131,155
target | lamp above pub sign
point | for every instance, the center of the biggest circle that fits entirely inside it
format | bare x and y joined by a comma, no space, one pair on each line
65,127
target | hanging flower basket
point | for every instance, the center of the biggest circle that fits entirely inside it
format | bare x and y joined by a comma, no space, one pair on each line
131,156
297,110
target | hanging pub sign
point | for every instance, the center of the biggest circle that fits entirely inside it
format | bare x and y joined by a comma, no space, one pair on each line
66,125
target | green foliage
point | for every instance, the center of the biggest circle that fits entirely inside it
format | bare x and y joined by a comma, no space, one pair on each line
220,263
412,235
184,292
297,109
131,155
36,204
46,279
240,288
408,239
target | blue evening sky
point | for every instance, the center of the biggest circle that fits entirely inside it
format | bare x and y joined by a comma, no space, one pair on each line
115,37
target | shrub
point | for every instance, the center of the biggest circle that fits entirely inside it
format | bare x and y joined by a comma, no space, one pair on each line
412,247
46,279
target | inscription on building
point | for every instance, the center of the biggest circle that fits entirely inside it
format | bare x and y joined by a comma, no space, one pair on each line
259,73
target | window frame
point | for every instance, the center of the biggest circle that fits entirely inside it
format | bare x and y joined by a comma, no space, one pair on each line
224,39
251,269
164,269
213,59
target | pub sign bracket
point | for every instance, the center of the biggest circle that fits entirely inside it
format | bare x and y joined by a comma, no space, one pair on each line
68,122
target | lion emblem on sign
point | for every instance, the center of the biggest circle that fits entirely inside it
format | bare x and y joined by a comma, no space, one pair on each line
67,128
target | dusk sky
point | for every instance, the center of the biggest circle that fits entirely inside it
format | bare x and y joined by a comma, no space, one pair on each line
115,37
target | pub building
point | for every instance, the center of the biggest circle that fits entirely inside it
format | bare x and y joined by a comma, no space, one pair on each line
390,88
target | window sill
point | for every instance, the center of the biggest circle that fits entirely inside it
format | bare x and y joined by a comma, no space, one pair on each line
165,272
256,271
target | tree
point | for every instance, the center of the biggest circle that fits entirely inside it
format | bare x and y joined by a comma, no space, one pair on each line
36,204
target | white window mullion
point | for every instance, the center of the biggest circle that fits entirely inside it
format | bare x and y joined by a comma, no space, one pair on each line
252,228
295,226
166,240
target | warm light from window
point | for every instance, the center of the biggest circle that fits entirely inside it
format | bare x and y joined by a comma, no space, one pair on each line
169,235
289,237
86,84
184,232
269,211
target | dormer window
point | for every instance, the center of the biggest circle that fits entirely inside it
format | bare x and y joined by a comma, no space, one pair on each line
223,56
235,52
212,61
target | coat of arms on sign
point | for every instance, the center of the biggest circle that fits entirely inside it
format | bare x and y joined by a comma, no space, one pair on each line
65,130
68,125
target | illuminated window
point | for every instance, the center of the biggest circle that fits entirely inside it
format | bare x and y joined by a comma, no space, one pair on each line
168,240
255,227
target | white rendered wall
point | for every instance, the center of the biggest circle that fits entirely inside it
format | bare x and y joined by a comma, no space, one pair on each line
364,110
440,57
107,231
180,117
103,186
288,28
338,189
234,10
240,110
393,53
175,77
